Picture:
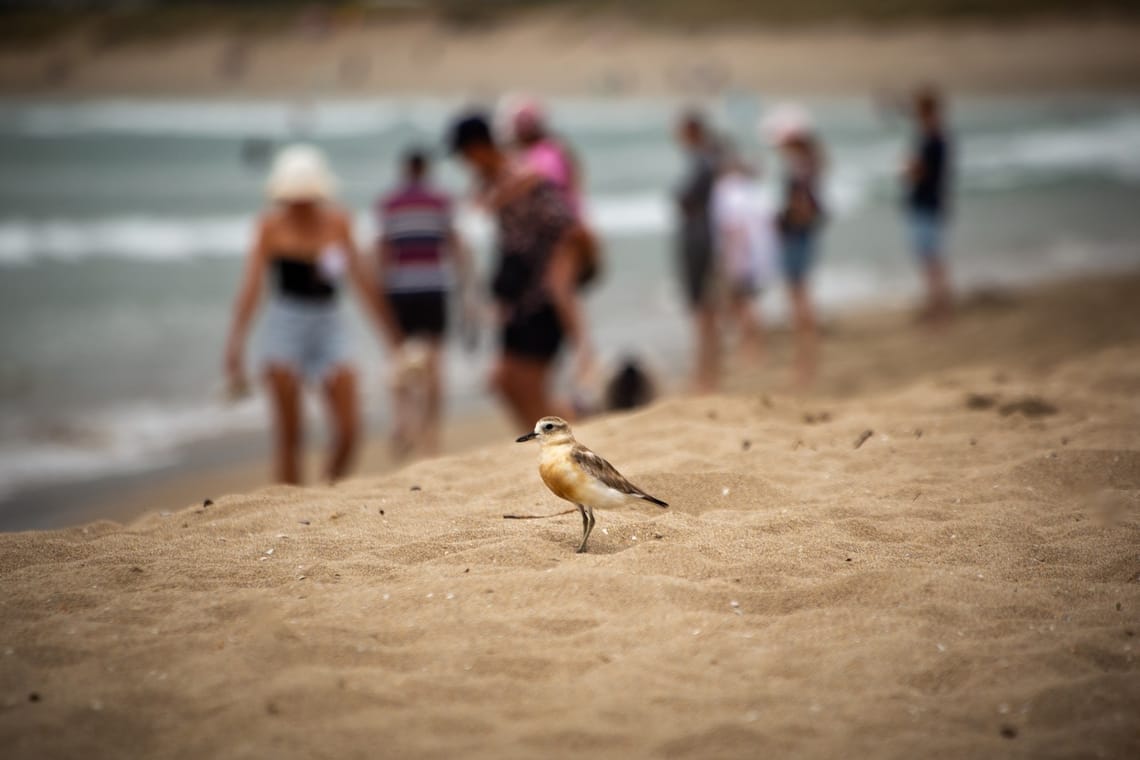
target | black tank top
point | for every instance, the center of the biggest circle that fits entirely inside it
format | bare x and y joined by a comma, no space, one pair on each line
299,278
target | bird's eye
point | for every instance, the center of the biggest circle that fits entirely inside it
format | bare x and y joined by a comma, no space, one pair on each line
548,426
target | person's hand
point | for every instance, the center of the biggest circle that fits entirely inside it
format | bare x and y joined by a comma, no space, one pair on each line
236,383
585,365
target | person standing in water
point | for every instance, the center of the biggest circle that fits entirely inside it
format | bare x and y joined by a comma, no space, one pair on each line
306,242
695,243
926,179
419,256
535,281
800,218
746,246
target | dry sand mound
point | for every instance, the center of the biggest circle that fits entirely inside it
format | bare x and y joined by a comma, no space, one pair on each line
964,583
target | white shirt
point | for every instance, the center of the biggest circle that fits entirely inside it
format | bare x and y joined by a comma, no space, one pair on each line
745,228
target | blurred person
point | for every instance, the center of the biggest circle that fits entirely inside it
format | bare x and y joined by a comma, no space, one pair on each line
420,256
306,242
695,242
551,157
535,283
799,219
926,179
746,244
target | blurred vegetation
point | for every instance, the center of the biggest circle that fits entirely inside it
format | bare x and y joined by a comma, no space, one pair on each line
115,22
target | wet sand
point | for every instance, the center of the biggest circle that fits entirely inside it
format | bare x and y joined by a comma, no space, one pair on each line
963,583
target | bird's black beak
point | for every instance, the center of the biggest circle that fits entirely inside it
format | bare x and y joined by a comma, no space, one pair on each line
528,437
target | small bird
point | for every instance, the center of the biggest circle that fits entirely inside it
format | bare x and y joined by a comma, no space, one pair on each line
574,473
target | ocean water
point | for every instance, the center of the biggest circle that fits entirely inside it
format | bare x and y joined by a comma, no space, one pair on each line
123,224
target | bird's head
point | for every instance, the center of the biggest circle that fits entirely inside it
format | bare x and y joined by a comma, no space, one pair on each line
548,430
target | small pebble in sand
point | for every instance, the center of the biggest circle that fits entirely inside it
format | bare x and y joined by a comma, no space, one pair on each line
1118,606
918,432
269,551
381,512
34,697
863,437
415,488
745,445
1008,731
304,522
208,503
724,491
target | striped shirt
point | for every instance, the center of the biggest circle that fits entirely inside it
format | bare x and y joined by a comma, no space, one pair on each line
415,221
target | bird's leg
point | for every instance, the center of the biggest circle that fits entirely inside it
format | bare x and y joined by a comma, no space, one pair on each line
586,525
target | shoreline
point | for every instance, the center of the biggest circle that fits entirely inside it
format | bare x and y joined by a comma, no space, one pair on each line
603,56
865,349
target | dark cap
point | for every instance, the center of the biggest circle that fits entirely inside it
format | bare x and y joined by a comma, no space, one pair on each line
471,129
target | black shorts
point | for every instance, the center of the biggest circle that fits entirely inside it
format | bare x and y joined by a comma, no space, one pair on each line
420,314
536,334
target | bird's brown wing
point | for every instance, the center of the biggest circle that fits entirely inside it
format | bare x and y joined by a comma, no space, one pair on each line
599,468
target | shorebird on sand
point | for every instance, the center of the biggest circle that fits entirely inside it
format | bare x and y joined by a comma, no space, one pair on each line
574,473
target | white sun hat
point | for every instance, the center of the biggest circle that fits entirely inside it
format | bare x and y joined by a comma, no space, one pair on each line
784,122
300,173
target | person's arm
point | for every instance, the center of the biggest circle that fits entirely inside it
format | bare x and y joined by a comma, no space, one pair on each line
562,285
363,279
515,183
245,305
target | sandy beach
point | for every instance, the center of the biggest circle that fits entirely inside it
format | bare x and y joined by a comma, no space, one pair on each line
963,583
572,53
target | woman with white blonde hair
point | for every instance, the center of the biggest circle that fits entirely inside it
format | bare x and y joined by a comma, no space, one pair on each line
305,241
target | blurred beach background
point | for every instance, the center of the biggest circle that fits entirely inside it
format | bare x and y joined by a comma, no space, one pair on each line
134,141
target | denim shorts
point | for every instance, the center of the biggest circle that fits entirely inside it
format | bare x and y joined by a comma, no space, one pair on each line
307,336
927,233
797,254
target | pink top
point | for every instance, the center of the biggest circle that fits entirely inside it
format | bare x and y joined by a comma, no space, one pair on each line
548,159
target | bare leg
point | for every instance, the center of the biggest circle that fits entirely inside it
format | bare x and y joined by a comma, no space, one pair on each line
285,395
587,525
433,400
937,289
708,349
523,384
340,395
751,331
803,317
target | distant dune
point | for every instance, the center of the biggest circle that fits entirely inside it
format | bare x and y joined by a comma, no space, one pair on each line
683,49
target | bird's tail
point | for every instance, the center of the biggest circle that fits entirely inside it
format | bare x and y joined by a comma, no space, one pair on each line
653,500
